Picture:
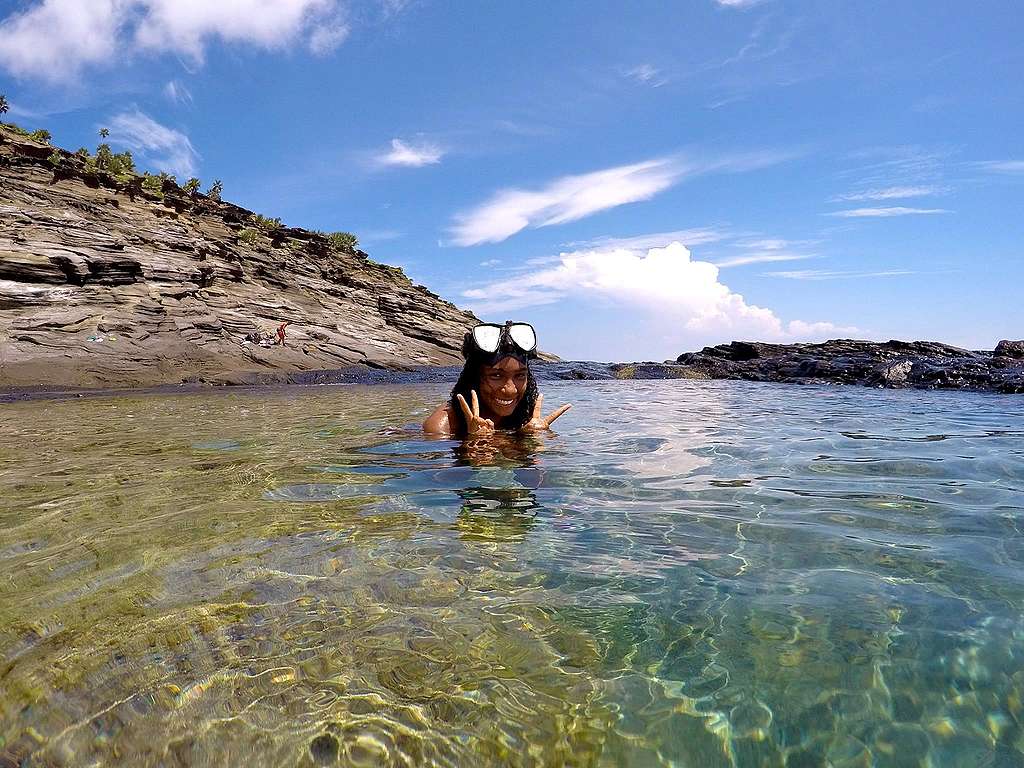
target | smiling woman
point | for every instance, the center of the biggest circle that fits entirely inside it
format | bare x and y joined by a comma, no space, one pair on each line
498,368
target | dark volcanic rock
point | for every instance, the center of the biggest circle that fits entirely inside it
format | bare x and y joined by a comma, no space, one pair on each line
105,283
893,364
1011,349
919,364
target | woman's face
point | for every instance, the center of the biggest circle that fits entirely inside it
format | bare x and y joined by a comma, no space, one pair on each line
502,386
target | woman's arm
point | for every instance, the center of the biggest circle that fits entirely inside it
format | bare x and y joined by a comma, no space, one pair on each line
440,421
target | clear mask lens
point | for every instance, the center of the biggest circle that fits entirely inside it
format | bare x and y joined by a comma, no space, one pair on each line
523,335
487,337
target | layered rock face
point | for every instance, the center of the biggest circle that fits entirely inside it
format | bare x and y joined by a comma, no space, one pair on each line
104,283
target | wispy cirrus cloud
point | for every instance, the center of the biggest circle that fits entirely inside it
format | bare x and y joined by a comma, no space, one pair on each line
825,274
768,250
646,74
688,237
379,235
761,257
411,154
893,193
166,148
55,40
685,295
570,198
1001,166
898,166
738,3
746,251
177,92
866,213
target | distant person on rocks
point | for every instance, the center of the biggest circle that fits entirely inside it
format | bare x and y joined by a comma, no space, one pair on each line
280,332
497,389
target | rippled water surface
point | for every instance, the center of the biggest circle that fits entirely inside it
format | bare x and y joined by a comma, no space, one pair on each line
687,573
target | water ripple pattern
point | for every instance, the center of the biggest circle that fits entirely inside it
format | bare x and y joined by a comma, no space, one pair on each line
687,574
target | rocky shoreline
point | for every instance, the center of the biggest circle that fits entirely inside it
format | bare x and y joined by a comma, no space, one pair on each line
120,280
890,365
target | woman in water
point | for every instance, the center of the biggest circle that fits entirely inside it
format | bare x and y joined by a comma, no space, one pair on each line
496,389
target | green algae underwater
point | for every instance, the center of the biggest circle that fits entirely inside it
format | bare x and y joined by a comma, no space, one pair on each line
683,574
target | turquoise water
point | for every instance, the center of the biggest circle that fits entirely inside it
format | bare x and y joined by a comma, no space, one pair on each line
684,574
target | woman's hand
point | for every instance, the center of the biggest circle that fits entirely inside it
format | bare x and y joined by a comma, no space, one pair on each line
475,425
538,422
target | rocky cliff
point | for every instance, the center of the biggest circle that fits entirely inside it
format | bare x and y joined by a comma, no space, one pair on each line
106,282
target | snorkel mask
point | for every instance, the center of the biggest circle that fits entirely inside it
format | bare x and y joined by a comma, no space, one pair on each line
494,341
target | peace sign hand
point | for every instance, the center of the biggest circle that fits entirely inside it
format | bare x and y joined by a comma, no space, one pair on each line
475,425
537,422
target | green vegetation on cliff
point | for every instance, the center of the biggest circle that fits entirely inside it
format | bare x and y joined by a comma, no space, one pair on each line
118,170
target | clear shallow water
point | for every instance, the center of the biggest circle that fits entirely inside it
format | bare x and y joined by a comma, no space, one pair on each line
687,573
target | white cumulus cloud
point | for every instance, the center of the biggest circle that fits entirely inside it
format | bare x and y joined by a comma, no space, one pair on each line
167,149
185,26
686,297
54,40
328,35
411,154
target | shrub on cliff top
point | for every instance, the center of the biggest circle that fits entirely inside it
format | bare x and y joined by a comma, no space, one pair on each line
153,184
215,189
42,135
191,187
104,157
267,224
344,241
4,106
15,128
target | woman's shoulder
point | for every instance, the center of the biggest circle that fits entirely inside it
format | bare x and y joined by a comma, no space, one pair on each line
440,421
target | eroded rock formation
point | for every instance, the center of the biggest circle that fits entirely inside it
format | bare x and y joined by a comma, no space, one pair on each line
103,282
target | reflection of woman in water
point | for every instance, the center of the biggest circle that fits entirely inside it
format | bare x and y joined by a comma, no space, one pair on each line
496,389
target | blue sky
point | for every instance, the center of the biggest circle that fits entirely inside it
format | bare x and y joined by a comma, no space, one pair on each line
636,179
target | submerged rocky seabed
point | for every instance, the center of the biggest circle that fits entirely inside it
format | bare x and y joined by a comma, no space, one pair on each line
687,573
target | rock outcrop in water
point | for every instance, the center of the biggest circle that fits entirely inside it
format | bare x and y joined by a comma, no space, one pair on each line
892,364
105,282
918,364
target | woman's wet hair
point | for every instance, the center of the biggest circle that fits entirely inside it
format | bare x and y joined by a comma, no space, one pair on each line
469,380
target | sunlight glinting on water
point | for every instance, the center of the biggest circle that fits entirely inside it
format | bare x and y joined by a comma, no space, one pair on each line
685,573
